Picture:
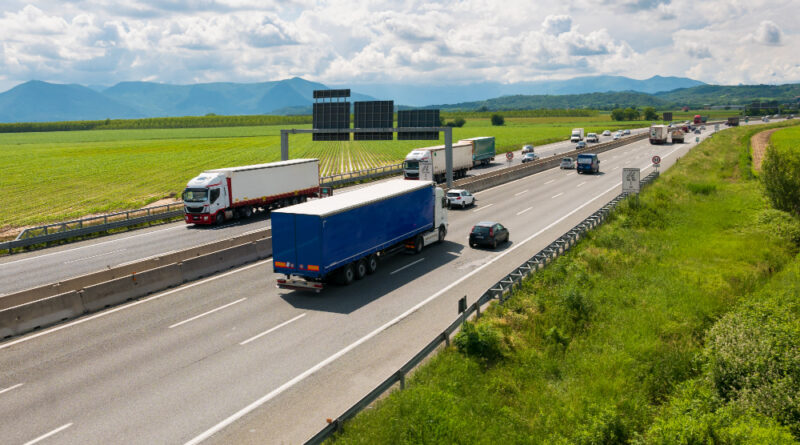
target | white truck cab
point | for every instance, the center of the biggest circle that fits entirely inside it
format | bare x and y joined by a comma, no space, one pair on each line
205,198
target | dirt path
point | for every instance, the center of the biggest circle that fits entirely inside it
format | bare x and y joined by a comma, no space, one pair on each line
759,143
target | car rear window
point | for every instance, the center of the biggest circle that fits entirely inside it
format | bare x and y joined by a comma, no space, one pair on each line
480,230
584,160
452,194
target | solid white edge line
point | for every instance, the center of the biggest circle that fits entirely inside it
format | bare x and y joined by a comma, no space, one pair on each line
45,436
272,329
520,213
249,408
130,305
91,245
11,387
482,207
406,266
207,313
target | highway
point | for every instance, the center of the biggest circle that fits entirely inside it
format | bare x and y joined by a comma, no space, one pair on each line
232,359
31,269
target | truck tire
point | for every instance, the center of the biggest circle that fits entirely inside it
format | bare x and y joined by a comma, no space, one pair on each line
442,233
247,212
347,274
361,269
220,218
419,243
372,264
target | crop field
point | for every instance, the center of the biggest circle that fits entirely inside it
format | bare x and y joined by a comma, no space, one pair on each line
55,176
788,138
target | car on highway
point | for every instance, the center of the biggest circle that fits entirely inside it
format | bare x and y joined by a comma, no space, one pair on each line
697,131
529,157
527,149
488,233
581,144
626,132
567,163
588,163
460,198
607,133
617,136
592,137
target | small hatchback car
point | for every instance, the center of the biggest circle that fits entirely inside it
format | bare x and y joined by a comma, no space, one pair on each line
567,163
488,233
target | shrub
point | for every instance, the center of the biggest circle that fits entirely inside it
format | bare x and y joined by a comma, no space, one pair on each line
497,120
781,178
482,341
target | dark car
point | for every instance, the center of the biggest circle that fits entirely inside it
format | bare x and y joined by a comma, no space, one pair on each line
488,233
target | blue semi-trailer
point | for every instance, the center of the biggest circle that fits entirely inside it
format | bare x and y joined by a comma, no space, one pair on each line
342,238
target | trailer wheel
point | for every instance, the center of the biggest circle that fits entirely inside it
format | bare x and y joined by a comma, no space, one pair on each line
419,243
247,212
372,264
361,269
347,274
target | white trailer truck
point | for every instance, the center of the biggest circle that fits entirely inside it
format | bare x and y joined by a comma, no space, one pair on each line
462,161
225,193
658,134
577,135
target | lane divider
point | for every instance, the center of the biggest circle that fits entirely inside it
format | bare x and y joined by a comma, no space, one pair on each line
273,329
207,313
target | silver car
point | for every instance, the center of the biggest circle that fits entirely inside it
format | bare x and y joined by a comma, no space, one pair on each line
567,163
527,149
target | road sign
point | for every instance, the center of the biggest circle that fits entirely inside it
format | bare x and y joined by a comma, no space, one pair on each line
425,170
656,160
510,155
630,180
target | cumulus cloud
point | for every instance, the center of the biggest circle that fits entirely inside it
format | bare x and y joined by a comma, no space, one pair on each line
557,24
768,33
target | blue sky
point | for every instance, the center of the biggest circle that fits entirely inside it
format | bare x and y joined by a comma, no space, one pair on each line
102,42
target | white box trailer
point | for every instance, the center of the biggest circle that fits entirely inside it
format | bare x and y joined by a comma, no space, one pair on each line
220,194
462,161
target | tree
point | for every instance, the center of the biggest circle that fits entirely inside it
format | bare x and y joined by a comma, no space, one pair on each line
781,178
459,122
631,114
618,114
650,114
497,120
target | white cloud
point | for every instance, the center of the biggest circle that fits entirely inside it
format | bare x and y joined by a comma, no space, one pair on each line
768,33
557,24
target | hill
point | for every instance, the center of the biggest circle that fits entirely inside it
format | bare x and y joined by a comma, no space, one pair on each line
732,95
37,101
596,101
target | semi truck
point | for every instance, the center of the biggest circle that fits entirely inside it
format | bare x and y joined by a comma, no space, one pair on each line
462,161
342,238
658,134
218,195
698,119
483,149
733,121
677,136
577,135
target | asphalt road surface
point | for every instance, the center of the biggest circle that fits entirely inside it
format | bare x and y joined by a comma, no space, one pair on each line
233,359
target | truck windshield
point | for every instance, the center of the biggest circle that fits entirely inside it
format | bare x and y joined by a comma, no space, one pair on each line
411,165
195,195
586,160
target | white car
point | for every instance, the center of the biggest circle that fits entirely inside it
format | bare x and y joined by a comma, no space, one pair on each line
626,131
617,136
527,149
592,137
567,163
460,198
607,133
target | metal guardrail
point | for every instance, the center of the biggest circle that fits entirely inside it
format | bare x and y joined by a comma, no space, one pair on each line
87,226
497,291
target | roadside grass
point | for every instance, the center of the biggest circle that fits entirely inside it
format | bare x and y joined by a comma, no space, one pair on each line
590,349
56,176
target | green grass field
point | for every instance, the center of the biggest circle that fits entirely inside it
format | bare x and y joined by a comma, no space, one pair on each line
788,138
55,176
592,349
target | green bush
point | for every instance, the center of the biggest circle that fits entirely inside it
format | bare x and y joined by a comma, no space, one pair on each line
781,178
481,341
498,120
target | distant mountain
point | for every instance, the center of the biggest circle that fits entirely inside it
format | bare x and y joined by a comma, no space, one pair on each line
732,95
596,101
37,101
422,95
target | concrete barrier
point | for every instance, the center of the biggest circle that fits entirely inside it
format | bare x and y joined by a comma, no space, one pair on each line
119,290
40,314
264,248
218,261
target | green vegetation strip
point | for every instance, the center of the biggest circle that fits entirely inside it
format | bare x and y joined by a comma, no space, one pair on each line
676,322
56,176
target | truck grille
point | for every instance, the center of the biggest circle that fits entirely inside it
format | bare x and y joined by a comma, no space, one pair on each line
194,209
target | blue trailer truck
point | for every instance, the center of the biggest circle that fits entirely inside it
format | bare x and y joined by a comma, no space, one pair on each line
342,238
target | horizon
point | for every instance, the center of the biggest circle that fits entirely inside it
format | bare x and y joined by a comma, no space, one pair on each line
94,43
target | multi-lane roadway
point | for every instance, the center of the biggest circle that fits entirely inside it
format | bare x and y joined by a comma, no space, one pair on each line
233,359
27,270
